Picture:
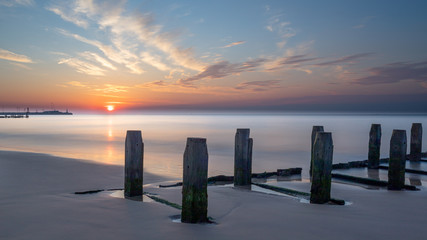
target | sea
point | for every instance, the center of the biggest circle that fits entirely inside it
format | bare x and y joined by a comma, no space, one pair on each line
280,140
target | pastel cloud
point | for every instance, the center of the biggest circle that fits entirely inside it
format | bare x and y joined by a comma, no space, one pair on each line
233,44
10,56
12,3
289,61
83,66
346,59
282,28
364,22
125,57
259,85
96,58
111,88
395,72
133,37
223,69
77,84
152,84
70,17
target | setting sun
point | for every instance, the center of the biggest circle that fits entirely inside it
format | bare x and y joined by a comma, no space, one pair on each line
110,108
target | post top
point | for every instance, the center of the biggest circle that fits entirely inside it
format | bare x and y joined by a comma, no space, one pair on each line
133,131
243,129
196,139
400,131
324,133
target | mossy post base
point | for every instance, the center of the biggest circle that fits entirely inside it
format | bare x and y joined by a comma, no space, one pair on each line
315,130
322,168
396,169
374,146
195,182
134,157
416,141
243,158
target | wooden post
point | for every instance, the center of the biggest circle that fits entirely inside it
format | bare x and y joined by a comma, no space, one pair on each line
322,168
416,141
315,130
134,157
396,169
243,158
374,146
195,182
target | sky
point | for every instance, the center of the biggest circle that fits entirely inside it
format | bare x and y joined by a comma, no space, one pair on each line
214,55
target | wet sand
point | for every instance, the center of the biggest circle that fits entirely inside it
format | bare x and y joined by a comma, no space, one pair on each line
37,201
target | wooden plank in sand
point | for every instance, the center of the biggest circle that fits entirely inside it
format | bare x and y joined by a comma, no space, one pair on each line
396,169
195,182
243,158
322,167
314,131
374,146
416,142
134,157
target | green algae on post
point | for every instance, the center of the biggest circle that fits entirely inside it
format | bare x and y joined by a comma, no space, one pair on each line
195,182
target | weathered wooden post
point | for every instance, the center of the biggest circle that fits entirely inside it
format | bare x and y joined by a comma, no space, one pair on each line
374,146
195,182
396,169
134,157
315,130
243,158
416,141
322,168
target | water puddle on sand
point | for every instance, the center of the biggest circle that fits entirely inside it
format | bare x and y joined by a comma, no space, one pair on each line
121,194
255,188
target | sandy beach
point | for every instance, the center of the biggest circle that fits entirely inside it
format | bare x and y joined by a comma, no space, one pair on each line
37,201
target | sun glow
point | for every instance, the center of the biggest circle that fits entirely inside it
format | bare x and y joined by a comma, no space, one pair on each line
110,108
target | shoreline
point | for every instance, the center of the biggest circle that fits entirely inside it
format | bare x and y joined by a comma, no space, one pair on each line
37,202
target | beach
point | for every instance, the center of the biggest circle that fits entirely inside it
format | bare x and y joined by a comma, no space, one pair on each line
37,201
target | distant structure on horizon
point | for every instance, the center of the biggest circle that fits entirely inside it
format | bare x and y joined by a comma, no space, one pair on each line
49,112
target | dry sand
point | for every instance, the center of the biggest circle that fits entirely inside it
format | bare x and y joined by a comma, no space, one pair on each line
37,202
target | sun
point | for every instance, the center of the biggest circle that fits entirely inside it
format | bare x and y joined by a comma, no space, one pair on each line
110,108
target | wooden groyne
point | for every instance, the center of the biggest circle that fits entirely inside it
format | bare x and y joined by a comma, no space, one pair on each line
195,168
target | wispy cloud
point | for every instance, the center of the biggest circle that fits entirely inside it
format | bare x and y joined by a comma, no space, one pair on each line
128,59
132,36
152,84
12,3
96,58
10,56
82,66
346,59
77,84
223,69
110,88
395,72
295,61
154,61
69,17
282,28
258,86
364,22
233,44
21,65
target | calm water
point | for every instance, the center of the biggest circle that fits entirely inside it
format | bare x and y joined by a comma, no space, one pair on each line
280,141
